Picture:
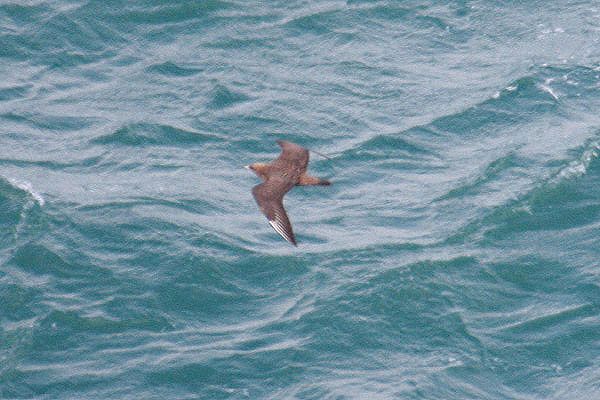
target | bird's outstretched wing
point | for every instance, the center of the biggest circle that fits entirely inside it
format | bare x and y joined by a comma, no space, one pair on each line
269,197
293,158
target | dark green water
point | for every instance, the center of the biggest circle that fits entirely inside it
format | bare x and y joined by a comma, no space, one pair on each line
455,256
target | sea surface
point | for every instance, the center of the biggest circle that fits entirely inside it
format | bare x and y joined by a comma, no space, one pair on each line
455,256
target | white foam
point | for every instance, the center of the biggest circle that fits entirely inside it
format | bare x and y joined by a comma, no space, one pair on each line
508,89
26,186
579,167
548,90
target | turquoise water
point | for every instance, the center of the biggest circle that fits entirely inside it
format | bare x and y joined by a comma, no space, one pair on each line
456,255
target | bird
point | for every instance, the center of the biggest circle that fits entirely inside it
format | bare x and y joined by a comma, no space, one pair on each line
279,176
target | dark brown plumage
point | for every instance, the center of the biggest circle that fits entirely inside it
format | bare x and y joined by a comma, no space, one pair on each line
280,175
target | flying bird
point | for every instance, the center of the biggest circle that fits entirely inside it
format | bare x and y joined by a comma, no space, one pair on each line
280,175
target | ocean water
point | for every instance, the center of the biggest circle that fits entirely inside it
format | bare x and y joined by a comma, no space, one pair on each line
455,256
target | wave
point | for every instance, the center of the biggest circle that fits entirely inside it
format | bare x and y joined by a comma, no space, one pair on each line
15,92
20,211
51,122
405,145
145,134
494,170
171,13
580,165
27,187
565,200
503,166
222,97
64,325
171,69
522,101
510,107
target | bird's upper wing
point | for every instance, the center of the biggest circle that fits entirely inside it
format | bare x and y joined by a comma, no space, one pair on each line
293,157
269,197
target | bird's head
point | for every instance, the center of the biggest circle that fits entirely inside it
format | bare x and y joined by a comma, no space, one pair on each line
259,169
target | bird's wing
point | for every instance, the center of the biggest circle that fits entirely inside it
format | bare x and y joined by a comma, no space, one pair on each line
293,156
269,197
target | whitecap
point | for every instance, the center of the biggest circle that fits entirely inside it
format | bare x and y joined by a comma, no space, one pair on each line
548,90
579,167
26,186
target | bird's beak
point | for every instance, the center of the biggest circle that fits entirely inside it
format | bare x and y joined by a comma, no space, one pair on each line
247,167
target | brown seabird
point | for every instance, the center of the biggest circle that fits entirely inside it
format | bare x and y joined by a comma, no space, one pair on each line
280,175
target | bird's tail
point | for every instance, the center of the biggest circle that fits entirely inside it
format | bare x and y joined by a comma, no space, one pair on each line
307,180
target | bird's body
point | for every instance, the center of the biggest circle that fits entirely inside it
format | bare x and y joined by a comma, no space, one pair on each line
280,175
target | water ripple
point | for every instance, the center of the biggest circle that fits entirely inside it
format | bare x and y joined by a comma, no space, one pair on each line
143,134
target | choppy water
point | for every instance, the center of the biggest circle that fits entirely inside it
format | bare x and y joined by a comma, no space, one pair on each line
456,256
